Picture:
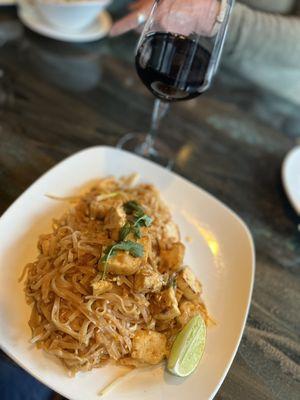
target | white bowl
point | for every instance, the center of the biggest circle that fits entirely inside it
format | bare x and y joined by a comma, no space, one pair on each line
70,15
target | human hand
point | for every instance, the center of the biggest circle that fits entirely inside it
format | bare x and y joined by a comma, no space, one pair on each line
173,16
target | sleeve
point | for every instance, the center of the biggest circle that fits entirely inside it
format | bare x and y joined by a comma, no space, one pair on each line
271,6
265,49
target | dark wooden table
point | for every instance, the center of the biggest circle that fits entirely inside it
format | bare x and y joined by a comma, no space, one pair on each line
57,98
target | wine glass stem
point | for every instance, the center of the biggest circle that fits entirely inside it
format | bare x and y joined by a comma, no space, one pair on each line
159,111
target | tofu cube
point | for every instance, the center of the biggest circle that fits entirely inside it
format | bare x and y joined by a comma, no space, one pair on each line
171,232
114,220
189,284
149,347
172,259
122,264
164,305
148,281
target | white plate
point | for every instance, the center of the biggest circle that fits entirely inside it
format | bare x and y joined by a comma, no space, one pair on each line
221,253
97,30
291,177
7,3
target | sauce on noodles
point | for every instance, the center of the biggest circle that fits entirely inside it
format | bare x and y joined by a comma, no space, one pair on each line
88,307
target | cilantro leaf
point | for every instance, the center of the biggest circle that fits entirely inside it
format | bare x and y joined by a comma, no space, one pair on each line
135,250
138,214
132,206
136,231
140,219
124,231
144,220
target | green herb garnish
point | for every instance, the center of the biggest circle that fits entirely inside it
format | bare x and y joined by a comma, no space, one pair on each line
144,220
134,249
139,219
133,206
124,231
136,230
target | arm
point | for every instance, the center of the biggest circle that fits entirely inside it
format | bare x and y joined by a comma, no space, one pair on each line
271,6
265,48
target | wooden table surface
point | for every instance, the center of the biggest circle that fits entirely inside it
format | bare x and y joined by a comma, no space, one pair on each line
57,98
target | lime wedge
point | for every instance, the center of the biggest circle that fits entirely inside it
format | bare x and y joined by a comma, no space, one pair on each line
188,347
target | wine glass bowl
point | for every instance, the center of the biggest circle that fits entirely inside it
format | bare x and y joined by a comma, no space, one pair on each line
176,58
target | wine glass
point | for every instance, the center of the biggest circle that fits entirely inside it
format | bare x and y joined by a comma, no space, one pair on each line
176,58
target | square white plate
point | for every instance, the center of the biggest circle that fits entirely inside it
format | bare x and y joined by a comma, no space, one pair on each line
221,253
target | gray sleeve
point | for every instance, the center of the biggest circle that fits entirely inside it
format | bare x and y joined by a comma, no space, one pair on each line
265,49
271,6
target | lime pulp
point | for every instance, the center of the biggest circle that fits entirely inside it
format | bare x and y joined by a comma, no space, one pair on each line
188,348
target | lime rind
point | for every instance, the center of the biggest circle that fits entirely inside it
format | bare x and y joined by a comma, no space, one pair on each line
188,348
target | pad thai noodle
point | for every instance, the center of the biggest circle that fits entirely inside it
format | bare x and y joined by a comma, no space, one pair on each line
109,282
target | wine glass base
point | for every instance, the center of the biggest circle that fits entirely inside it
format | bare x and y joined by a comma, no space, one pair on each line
138,143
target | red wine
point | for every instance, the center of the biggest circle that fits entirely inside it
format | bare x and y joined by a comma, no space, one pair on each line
173,67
